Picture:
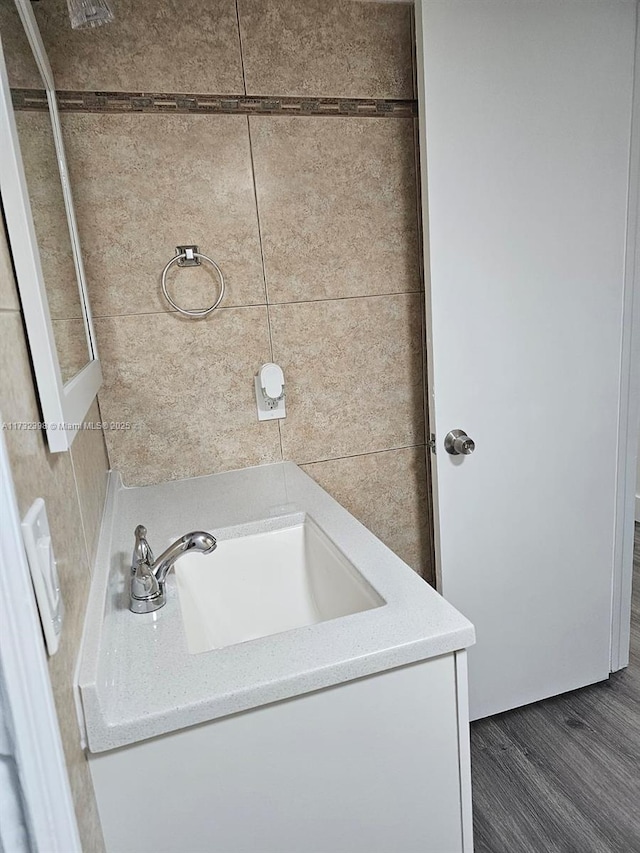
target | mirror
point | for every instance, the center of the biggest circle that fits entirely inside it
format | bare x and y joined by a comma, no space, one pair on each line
44,242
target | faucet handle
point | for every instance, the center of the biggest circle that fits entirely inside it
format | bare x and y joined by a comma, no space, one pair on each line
143,582
142,552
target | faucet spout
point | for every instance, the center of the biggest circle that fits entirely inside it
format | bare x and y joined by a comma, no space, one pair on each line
148,576
200,541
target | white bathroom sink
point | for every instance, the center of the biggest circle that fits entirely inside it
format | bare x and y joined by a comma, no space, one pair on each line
265,583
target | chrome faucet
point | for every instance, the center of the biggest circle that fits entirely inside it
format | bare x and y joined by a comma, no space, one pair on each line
148,575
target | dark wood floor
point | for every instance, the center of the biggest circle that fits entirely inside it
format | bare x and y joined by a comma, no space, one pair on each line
563,775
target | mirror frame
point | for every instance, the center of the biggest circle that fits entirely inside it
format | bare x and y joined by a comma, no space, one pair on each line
63,406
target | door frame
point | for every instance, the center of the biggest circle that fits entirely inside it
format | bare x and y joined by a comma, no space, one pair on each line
31,710
629,412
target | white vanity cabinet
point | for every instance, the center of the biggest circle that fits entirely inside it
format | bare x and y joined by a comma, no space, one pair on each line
346,732
375,765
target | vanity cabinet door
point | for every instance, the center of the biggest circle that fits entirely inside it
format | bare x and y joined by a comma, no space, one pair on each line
370,766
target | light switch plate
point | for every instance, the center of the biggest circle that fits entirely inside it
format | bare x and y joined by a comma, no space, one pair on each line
44,572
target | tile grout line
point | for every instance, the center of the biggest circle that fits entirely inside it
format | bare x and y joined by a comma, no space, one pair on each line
244,77
312,462
261,304
255,199
414,58
357,455
257,209
83,525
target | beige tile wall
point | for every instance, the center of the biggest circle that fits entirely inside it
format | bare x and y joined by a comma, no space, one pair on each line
387,491
313,221
186,388
22,70
73,486
354,377
335,48
143,184
151,46
337,202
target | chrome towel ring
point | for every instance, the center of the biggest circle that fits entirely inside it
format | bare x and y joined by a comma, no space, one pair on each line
189,256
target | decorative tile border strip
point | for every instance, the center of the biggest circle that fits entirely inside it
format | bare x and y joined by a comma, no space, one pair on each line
141,102
29,99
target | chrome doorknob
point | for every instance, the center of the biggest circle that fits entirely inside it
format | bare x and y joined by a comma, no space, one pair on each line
457,442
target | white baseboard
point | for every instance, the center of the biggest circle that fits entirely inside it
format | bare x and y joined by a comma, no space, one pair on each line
638,508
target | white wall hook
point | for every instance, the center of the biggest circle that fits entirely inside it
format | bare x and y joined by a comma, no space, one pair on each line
269,382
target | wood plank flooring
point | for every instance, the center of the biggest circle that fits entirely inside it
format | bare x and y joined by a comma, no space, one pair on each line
563,775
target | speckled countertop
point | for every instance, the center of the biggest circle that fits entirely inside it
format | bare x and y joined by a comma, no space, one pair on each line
136,677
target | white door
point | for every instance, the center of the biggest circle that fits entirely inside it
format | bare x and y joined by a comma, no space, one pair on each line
525,152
